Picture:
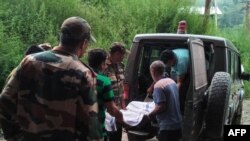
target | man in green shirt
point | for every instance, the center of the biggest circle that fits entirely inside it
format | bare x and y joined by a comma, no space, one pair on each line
105,94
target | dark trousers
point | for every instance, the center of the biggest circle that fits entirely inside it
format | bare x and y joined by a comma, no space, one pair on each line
116,136
169,135
105,138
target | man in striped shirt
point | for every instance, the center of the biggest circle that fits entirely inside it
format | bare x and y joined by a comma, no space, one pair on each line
167,107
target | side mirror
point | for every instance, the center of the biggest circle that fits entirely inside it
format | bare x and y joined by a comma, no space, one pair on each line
245,76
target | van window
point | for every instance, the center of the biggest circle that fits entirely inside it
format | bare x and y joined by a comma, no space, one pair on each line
199,64
151,51
209,56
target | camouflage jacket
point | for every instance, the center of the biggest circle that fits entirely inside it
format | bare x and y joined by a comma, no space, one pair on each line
115,71
50,97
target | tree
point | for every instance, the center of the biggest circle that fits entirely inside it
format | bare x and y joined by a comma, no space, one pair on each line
247,19
246,8
206,13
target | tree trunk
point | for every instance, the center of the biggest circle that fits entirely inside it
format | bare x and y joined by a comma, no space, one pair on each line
247,18
206,13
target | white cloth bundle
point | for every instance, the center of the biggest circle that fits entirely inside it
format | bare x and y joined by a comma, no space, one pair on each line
110,123
132,116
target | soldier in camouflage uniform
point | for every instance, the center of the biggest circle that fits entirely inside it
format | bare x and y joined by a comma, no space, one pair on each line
115,71
52,96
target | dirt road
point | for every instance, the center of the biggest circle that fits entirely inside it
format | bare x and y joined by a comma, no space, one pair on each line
246,112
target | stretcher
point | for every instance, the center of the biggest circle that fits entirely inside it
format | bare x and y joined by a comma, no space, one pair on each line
135,116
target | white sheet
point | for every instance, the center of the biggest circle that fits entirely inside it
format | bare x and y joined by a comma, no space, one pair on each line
132,116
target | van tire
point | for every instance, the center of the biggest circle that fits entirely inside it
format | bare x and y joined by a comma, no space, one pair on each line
217,105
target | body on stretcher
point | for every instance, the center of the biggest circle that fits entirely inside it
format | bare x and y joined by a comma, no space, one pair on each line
134,116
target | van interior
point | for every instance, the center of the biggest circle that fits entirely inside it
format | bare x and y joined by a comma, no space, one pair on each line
150,51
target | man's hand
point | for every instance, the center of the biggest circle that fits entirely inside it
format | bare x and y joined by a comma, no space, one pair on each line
151,89
123,104
113,110
126,126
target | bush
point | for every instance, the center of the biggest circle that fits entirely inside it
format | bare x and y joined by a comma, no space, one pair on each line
27,22
241,40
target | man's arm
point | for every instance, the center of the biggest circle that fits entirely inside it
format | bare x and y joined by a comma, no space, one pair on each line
151,89
158,109
180,80
8,107
183,70
114,111
160,102
108,98
123,103
87,123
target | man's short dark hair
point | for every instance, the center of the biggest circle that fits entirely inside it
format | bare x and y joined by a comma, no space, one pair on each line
74,30
167,55
117,47
158,67
96,57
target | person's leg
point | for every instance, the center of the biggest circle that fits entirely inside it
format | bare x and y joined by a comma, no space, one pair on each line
174,135
116,136
166,135
105,138
162,135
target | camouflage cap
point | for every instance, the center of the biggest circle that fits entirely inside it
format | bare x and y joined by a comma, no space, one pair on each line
77,28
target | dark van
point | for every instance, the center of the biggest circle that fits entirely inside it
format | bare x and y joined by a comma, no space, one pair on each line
214,93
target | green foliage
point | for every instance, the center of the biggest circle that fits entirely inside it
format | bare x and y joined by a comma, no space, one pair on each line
231,8
27,22
22,23
10,53
241,40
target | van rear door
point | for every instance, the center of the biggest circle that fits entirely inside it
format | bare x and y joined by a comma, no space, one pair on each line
193,114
